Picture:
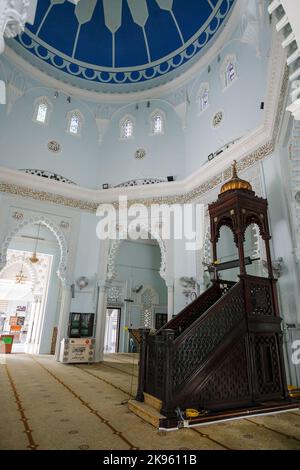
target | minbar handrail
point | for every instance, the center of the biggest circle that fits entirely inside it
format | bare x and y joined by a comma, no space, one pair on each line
174,323
211,311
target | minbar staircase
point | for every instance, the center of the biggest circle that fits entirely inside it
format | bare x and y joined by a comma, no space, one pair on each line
222,355
222,352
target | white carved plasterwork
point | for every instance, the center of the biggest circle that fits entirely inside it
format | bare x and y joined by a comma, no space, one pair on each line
115,246
62,266
148,298
15,257
291,41
114,295
13,16
248,151
38,273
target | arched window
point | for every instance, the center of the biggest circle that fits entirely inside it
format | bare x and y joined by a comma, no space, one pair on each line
157,122
74,122
203,98
229,71
42,110
127,127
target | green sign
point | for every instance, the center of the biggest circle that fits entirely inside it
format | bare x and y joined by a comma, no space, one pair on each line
7,340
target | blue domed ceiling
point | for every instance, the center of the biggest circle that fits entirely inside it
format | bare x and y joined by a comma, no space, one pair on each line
121,42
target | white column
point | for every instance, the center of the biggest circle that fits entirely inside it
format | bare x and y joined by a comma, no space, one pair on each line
101,320
170,286
32,347
31,321
66,296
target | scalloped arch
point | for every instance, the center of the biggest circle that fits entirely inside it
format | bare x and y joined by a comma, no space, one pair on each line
114,249
62,265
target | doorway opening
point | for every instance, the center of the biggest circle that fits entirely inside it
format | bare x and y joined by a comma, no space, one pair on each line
112,330
23,296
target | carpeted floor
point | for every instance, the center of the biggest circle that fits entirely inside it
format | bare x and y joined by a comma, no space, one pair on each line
48,405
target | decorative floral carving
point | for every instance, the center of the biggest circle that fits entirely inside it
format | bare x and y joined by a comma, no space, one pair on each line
47,174
114,295
65,225
141,182
217,119
140,154
54,146
13,16
18,215
259,154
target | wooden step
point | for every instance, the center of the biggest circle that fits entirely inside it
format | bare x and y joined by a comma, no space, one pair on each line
152,401
146,412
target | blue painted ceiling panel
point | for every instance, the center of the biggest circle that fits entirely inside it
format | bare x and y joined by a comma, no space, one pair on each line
122,41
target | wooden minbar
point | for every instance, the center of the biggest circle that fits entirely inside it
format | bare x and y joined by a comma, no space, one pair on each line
222,355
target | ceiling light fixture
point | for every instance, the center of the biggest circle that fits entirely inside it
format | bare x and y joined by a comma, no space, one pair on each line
34,259
20,276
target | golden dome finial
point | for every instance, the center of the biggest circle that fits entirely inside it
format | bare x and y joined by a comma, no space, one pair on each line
235,182
234,170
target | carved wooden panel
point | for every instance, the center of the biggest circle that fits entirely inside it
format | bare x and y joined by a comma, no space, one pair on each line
205,337
155,366
261,299
267,364
229,382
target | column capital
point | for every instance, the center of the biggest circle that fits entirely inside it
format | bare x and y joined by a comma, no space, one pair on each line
104,284
170,283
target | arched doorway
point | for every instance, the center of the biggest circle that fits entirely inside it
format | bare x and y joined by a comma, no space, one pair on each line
135,273
45,275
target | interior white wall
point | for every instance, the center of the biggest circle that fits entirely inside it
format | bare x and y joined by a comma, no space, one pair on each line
240,103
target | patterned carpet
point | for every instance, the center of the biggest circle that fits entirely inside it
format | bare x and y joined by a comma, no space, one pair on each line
48,405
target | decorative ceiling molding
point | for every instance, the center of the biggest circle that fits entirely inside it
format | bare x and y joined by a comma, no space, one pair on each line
13,16
126,96
248,151
287,22
112,28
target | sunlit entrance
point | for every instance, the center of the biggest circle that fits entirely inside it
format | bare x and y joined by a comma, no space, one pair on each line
112,330
23,297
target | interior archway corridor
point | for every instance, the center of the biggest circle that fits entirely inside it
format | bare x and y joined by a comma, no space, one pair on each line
48,405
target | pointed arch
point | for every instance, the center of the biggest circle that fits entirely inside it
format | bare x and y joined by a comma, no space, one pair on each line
114,249
127,124
42,110
75,121
203,97
228,71
157,122
62,265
